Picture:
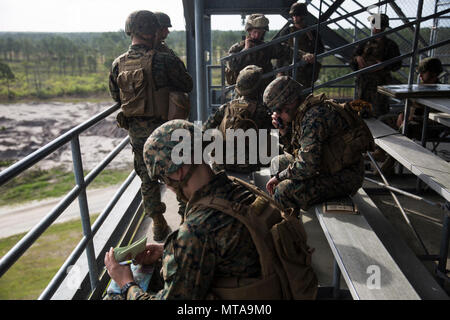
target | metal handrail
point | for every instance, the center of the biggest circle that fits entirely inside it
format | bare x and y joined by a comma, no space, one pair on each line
78,191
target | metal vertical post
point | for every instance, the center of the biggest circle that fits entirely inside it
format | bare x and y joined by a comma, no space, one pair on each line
84,211
412,64
200,59
443,252
294,59
336,280
355,38
315,46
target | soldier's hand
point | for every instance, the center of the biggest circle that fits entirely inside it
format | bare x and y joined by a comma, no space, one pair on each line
361,62
249,43
120,274
309,58
275,116
151,254
271,184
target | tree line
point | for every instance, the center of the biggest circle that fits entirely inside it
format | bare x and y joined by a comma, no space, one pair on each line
54,64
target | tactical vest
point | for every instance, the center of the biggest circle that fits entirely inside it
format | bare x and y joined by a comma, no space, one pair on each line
281,242
138,94
345,148
373,52
238,115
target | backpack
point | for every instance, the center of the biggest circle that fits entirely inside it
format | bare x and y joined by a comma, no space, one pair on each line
238,115
281,242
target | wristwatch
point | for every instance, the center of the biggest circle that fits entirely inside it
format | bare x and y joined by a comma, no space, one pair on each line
278,176
124,289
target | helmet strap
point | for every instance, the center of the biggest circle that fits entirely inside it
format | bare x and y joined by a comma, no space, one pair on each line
179,185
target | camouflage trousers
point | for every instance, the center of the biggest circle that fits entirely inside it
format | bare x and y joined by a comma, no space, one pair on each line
367,91
301,194
139,129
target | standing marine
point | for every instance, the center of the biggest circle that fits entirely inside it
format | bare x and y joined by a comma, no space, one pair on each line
306,46
372,52
141,80
163,32
323,143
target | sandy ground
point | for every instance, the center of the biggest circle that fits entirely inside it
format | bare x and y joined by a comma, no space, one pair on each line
26,127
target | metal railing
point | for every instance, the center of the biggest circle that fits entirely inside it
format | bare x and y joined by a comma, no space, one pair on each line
78,191
331,83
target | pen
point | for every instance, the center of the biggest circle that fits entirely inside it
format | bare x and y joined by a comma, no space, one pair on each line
124,263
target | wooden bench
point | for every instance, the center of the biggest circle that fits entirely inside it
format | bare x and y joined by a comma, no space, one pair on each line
428,167
440,117
365,264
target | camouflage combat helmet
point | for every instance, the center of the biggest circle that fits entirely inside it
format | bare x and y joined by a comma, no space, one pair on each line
249,80
431,64
384,21
164,20
158,153
158,148
281,91
257,21
141,22
298,9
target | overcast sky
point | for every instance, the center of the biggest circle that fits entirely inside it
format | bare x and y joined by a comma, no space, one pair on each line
97,15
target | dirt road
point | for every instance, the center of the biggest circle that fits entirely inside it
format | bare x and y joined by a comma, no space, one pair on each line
22,218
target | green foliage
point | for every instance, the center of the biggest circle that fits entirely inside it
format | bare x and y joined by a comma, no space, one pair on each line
30,275
42,184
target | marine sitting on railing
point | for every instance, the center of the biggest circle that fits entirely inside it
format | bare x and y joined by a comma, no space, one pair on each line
323,143
306,44
142,80
256,26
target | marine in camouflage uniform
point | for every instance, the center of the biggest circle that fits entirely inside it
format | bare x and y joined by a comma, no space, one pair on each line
306,44
209,245
168,71
261,58
375,51
163,32
248,88
301,176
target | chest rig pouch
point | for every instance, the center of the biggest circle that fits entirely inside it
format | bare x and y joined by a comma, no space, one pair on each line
138,94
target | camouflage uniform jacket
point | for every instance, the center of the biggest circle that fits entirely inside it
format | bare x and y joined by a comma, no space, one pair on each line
307,135
208,245
168,71
163,47
261,58
380,49
261,116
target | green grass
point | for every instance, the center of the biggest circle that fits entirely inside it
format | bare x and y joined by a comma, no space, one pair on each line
56,182
30,275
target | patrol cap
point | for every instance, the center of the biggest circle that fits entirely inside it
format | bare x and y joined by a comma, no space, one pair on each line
431,64
298,9
384,20
164,20
281,91
249,80
141,22
257,21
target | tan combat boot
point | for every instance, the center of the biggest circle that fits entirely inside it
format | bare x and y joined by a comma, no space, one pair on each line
160,227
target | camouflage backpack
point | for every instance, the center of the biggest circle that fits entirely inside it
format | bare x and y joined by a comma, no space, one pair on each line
281,242
238,115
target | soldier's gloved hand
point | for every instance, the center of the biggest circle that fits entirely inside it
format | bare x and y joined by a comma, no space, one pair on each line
249,43
120,274
151,254
271,184
309,58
